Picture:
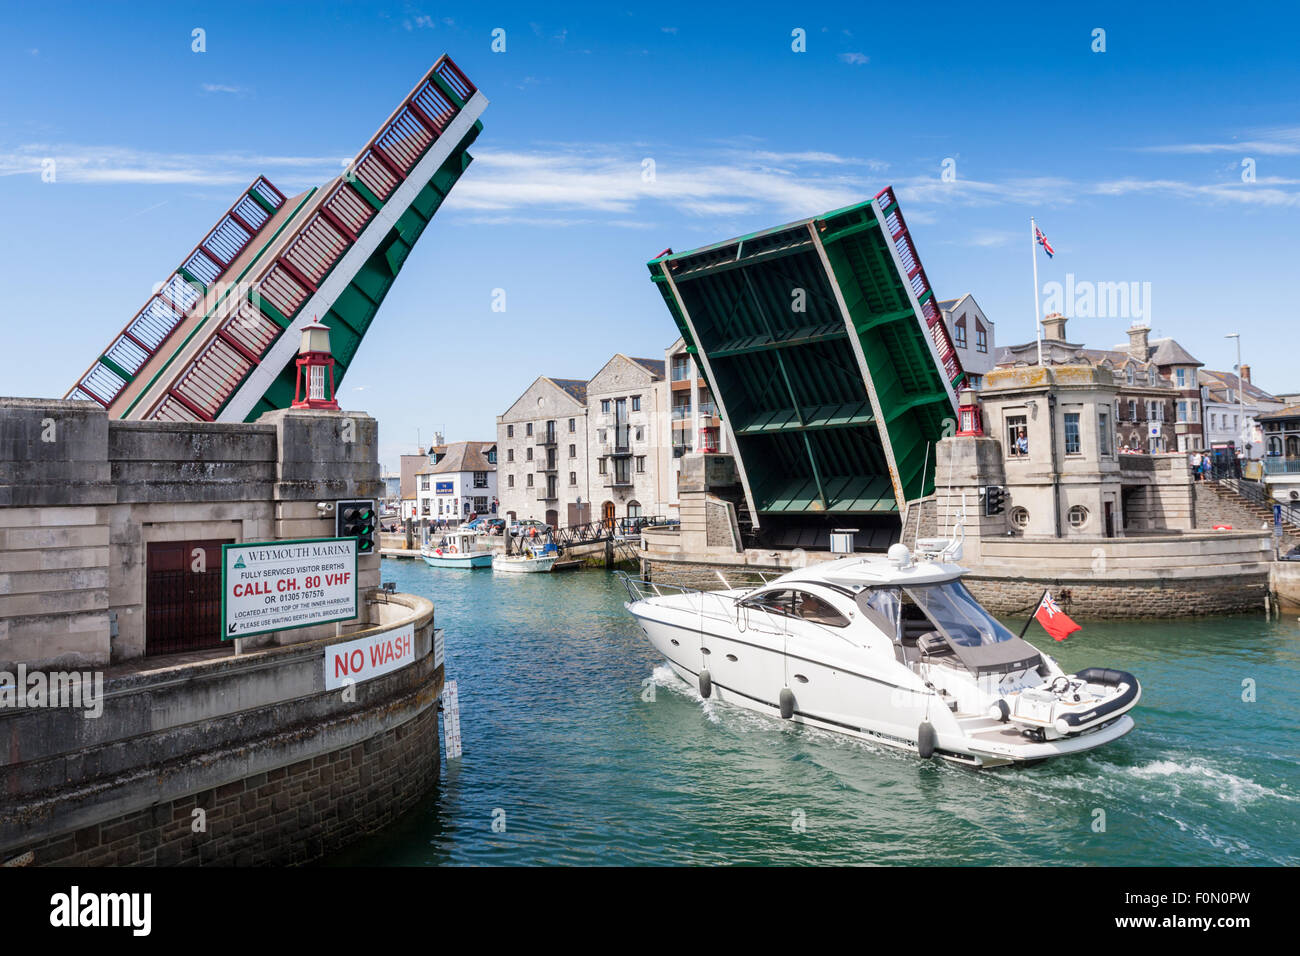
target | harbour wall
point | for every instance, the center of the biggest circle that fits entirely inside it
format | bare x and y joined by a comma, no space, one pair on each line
1285,584
1166,576
238,760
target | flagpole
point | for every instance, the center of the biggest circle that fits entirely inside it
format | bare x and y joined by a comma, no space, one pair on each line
1038,319
1035,614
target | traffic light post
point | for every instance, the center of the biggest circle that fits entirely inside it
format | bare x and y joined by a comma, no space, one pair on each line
994,497
356,519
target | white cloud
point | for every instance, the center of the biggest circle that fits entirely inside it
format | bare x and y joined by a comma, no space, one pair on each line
608,179
857,59
76,163
223,88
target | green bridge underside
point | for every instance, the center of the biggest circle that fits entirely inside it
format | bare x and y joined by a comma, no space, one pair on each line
352,312
789,380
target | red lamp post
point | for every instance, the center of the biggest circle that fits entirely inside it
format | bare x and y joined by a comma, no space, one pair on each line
314,387
970,418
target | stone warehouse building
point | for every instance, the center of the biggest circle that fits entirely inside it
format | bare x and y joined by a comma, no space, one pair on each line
571,451
110,566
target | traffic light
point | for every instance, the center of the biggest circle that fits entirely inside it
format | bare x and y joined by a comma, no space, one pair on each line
356,519
994,496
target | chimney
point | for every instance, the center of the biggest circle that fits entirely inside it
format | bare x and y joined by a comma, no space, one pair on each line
1054,327
1137,342
1245,374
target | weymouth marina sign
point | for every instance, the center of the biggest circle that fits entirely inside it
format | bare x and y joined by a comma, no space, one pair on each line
282,585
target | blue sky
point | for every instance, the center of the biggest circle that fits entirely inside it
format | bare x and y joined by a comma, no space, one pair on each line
1131,159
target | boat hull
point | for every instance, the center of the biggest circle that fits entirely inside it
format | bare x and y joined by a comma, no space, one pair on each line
462,562
751,669
504,565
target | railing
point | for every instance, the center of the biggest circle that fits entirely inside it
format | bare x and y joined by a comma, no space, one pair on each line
708,604
717,606
1258,495
284,284
1282,466
176,298
594,531
896,228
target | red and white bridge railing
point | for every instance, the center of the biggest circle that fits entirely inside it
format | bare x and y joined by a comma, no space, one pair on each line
896,229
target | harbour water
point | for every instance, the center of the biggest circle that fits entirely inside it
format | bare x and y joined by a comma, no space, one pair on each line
588,750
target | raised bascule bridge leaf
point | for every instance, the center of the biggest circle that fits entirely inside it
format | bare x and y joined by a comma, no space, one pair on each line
218,340
826,352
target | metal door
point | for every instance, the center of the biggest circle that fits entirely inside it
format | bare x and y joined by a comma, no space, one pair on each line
182,596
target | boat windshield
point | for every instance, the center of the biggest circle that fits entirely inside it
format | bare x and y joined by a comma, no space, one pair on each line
958,614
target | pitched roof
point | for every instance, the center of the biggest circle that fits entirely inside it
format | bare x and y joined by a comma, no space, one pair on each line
1217,380
575,387
1291,411
463,456
1169,352
653,365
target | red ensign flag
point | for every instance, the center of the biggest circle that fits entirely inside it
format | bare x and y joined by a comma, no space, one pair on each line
1055,621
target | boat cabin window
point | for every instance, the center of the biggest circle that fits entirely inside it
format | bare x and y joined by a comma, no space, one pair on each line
801,605
952,608
809,607
880,606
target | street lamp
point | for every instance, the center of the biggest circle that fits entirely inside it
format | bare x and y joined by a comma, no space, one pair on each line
1241,403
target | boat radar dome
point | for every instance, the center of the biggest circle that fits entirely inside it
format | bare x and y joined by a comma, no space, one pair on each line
899,555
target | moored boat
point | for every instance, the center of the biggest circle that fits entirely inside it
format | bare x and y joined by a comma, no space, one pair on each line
531,556
459,549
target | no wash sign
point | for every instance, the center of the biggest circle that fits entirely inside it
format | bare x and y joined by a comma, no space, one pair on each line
281,585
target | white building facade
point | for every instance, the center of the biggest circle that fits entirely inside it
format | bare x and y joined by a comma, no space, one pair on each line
462,482
972,335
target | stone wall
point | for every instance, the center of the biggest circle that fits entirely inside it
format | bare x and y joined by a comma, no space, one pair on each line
284,769
719,530
1285,584
82,497
1090,598
1216,506
290,815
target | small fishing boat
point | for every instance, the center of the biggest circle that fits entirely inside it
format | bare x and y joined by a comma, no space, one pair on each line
459,549
531,556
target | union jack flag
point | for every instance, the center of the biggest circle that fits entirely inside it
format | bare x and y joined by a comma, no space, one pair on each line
1042,241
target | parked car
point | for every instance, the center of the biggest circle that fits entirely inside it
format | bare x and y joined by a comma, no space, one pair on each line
495,525
1293,554
524,526
478,526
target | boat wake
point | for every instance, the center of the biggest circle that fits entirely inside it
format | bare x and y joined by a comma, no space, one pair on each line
1226,787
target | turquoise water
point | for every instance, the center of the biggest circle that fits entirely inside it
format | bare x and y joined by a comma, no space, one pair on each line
560,745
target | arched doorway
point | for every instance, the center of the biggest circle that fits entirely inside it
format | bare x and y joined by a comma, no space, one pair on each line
607,514
552,518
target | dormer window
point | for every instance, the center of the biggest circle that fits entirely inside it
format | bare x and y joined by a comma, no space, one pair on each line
959,332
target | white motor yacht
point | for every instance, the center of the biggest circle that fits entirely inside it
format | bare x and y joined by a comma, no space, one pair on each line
889,648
